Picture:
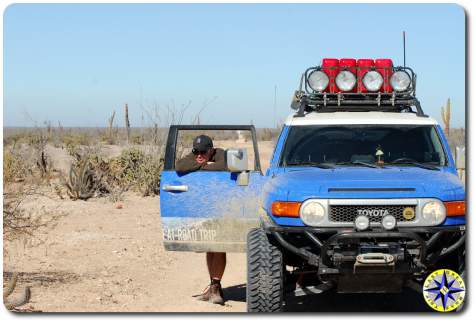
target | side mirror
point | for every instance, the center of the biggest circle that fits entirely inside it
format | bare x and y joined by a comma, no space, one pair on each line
236,160
460,157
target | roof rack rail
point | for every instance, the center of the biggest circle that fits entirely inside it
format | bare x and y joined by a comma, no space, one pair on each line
346,103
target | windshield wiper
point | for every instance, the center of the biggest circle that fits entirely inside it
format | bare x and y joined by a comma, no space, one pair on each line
413,162
369,165
313,164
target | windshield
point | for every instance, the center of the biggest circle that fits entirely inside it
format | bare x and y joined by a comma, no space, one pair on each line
368,144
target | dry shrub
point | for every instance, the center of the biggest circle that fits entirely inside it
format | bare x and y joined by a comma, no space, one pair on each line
110,136
456,138
139,170
267,134
74,141
13,139
15,167
42,162
137,139
21,223
17,221
111,184
132,169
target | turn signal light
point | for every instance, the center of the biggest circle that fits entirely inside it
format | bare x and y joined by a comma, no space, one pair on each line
455,208
286,208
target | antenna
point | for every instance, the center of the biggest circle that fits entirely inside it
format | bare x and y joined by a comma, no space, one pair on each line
404,46
275,106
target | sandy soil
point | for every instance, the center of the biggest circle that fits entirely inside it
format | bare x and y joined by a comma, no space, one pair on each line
99,258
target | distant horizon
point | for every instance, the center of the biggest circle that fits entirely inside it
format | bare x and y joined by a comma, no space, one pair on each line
147,127
116,127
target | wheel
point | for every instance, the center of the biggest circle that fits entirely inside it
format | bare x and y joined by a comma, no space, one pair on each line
265,285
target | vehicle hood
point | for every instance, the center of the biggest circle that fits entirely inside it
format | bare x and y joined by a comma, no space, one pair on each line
361,182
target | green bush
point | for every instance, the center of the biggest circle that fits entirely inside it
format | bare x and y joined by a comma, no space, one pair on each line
139,170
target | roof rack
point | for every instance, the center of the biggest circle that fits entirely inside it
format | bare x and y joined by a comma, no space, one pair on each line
307,100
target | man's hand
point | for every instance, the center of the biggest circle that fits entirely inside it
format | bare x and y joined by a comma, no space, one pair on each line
209,162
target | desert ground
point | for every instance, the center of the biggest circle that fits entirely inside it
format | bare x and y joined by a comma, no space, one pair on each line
104,255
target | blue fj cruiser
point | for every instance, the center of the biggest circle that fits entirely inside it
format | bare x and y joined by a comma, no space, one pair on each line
361,195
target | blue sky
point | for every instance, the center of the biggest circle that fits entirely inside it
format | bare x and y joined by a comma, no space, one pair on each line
76,63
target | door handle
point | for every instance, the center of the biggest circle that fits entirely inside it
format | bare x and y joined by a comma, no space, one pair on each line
182,188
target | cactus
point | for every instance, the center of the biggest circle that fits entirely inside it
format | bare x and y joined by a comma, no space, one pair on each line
445,112
43,164
127,122
12,304
111,124
82,182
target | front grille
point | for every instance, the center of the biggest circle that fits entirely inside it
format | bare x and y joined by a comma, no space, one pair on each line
349,213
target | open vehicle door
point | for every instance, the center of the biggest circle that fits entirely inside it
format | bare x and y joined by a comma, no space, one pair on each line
209,211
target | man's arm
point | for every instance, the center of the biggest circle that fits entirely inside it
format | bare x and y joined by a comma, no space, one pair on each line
187,164
219,162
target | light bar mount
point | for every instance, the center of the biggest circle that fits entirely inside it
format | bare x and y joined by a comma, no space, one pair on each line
307,100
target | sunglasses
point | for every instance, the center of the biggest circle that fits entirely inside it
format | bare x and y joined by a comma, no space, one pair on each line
196,152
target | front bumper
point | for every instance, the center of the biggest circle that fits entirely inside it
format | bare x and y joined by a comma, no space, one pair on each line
333,253
422,238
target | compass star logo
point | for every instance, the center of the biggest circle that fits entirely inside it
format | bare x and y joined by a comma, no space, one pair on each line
444,290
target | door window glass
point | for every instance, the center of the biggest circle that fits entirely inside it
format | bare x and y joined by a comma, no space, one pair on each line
223,139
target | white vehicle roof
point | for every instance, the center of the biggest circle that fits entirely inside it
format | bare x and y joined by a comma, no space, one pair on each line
350,118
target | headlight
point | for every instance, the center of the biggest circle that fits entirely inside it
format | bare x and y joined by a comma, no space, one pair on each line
345,80
434,212
372,81
318,80
400,81
312,213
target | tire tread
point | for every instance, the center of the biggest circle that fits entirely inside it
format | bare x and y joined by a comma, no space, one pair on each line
264,274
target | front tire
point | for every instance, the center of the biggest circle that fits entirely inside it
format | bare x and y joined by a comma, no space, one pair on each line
265,268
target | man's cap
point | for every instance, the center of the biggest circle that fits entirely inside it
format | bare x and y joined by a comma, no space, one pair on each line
202,143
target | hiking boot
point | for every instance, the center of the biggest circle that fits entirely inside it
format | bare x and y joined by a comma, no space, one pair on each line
212,293
216,294
204,296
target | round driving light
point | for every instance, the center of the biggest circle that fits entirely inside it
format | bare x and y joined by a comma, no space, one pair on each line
345,80
373,81
400,81
433,213
318,80
362,222
388,222
312,213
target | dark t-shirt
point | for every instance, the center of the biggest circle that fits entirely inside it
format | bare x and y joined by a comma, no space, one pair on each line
189,164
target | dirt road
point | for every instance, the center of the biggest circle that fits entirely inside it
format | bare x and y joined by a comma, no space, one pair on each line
99,258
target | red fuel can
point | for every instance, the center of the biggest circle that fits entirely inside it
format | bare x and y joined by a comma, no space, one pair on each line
364,66
385,67
348,64
331,67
